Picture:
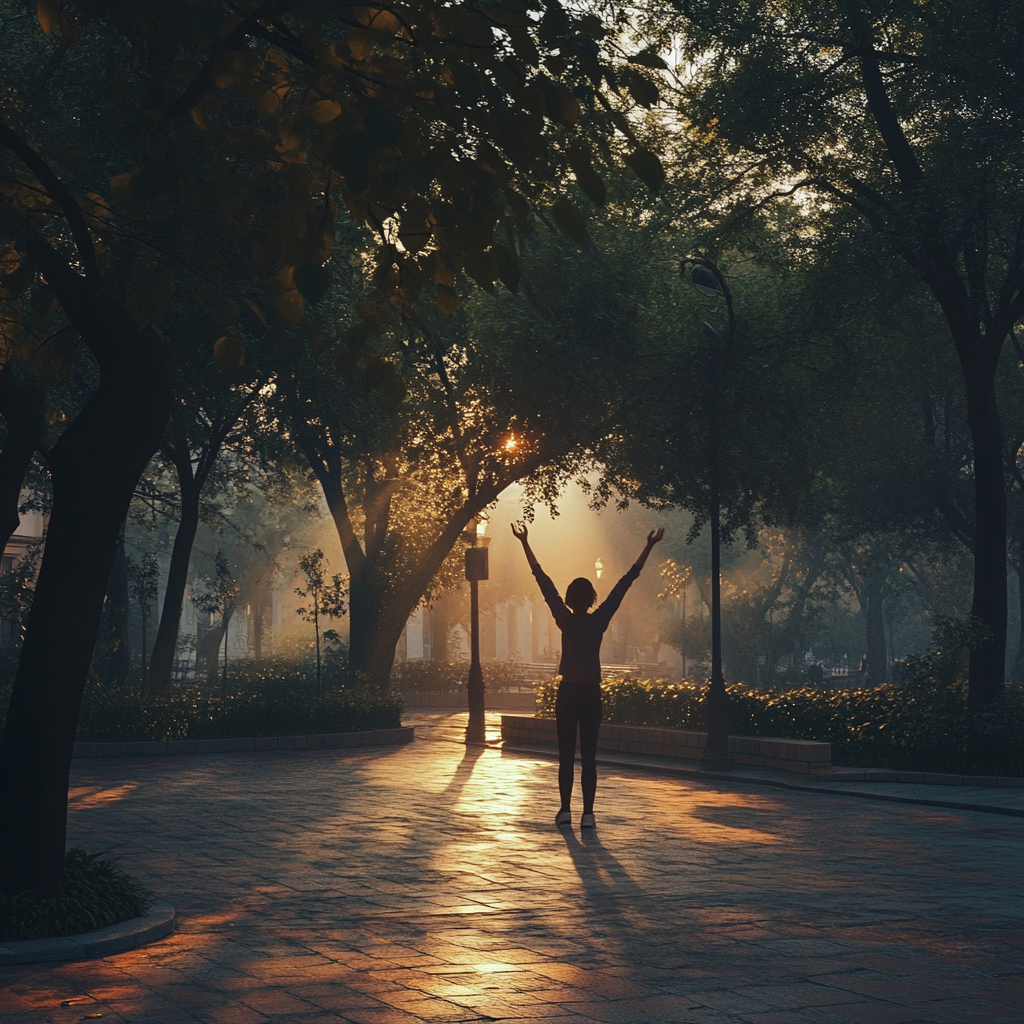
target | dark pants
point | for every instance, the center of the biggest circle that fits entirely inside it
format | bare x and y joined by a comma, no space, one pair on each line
579,708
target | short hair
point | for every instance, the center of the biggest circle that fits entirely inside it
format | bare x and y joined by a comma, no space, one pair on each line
580,595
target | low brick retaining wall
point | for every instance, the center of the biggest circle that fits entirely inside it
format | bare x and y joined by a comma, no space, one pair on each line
803,757
313,741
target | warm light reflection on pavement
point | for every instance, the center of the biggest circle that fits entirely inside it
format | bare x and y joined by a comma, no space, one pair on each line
427,883
92,796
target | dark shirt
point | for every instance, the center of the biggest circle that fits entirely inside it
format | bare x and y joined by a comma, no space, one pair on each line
582,634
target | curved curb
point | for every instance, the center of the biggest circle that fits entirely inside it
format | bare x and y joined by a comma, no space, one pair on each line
118,938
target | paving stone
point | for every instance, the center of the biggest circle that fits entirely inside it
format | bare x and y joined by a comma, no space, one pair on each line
398,885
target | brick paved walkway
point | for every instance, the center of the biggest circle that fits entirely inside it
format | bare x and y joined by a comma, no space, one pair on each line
426,883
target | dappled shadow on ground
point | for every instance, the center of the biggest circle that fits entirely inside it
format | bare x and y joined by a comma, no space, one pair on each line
428,883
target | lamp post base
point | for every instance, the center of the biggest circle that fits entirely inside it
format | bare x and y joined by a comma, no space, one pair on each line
476,731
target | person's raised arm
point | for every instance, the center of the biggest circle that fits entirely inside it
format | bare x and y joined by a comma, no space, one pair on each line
520,532
547,588
610,605
652,538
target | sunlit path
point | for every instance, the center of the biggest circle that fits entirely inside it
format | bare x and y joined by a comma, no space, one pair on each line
427,883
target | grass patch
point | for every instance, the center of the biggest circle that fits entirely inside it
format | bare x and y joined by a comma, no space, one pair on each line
96,894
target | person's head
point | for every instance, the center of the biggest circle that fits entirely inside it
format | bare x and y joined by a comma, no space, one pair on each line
580,595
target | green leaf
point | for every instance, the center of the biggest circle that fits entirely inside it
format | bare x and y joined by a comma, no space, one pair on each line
228,353
414,232
482,268
447,299
507,264
643,90
648,59
313,281
647,167
586,177
48,14
571,222
381,127
349,156
290,306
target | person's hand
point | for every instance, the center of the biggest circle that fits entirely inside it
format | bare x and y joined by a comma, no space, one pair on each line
519,531
654,536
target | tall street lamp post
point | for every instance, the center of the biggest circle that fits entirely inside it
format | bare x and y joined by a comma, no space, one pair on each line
476,570
683,638
707,278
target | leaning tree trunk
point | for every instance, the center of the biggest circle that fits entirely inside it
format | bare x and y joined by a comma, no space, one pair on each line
165,646
95,467
989,604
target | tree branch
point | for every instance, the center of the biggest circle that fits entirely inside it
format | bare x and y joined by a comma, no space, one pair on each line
61,194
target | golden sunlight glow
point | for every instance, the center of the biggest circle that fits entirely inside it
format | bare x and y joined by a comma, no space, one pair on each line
95,796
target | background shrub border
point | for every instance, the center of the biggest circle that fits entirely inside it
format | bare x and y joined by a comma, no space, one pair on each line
917,727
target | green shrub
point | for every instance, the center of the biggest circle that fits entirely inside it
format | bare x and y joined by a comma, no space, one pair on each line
112,714
96,894
427,676
920,725
424,675
296,674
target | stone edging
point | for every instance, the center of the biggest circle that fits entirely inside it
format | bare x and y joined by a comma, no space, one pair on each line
118,938
312,741
838,774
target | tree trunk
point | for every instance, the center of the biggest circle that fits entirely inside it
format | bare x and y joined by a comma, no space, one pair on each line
374,631
115,660
878,668
95,467
978,351
378,612
208,651
988,659
166,644
256,627
23,406
1018,661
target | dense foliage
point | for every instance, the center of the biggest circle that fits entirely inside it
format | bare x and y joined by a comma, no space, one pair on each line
428,676
915,727
96,894
282,709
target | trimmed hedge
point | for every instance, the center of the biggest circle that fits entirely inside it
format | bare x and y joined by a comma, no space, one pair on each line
109,714
922,726
427,676
96,894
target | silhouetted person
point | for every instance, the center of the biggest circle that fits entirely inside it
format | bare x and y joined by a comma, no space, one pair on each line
578,702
